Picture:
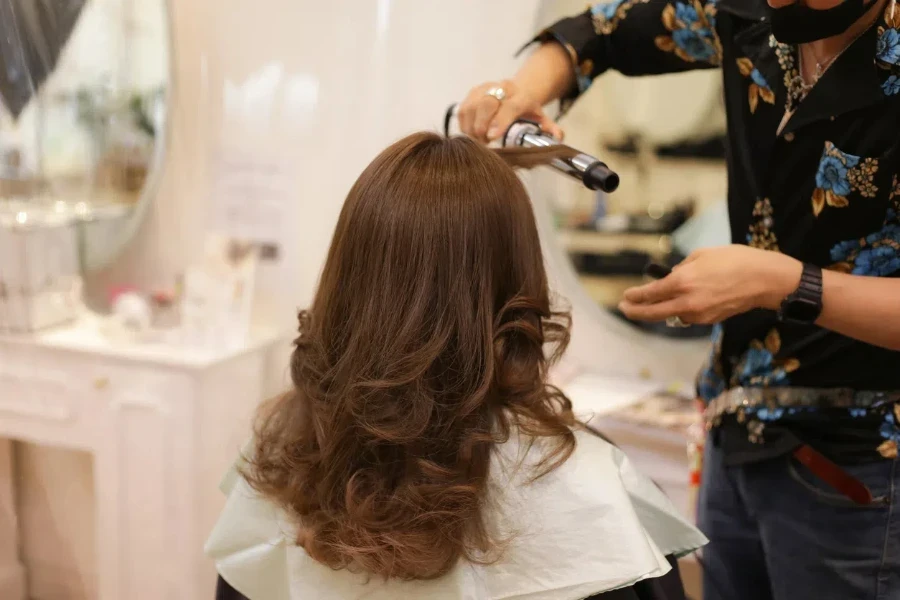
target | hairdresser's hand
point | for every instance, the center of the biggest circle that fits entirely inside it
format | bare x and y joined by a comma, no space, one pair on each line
714,284
485,118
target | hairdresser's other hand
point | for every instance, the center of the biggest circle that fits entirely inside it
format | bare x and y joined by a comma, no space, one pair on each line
485,118
714,284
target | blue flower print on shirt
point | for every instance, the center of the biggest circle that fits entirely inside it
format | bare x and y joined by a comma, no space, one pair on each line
699,45
891,85
760,365
887,48
769,414
606,10
876,255
758,79
607,15
877,262
711,381
890,432
692,36
858,413
839,174
832,173
686,13
758,89
843,250
890,231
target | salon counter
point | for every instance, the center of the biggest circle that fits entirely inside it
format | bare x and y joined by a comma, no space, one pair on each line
110,456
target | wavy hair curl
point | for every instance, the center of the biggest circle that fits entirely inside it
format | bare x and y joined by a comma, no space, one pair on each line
427,344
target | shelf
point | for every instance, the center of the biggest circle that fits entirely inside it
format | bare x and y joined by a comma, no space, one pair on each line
607,290
594,242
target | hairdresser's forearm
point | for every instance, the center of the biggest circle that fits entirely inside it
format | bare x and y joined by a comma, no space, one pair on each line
863,308
548,74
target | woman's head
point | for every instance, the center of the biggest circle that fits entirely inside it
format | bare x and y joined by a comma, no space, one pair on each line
424,347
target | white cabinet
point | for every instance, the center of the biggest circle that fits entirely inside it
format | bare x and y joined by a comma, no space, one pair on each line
162,425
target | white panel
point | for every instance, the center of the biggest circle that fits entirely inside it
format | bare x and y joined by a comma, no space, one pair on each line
56,512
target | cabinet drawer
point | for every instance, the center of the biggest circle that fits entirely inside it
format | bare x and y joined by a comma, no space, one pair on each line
66,399
45,401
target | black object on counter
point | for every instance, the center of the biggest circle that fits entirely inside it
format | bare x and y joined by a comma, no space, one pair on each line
666,223
709,149
657,271
622,263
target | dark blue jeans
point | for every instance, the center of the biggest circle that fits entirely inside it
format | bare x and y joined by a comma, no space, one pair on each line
777,532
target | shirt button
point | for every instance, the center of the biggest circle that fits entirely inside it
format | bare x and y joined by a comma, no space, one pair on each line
789,136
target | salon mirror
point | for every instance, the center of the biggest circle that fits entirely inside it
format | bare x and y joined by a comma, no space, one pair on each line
664,135
84,89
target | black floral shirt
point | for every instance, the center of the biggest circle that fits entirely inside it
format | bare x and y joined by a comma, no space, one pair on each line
813,173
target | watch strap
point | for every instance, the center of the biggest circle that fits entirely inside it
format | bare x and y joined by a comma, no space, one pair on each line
810,287
808,292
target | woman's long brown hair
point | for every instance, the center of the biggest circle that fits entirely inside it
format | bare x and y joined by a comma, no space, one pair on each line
427,344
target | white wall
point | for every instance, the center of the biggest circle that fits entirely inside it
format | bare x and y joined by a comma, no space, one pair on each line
331,83
317,89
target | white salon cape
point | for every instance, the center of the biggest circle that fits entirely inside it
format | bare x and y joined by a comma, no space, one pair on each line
592,525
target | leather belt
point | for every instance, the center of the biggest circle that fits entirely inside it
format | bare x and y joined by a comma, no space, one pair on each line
833,475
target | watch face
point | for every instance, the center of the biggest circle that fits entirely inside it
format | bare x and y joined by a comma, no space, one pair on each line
801,310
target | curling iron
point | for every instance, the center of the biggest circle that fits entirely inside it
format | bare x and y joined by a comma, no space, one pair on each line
593,173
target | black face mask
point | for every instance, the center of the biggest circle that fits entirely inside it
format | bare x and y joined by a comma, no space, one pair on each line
800,24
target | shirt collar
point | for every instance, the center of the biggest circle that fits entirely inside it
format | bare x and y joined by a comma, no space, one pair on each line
852,82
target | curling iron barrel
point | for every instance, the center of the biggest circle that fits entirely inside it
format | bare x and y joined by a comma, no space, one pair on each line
594,174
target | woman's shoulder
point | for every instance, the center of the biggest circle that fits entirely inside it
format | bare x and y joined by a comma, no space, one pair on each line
597,479
521,456
594,521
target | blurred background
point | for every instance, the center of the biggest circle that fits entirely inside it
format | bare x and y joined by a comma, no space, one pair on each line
170,175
